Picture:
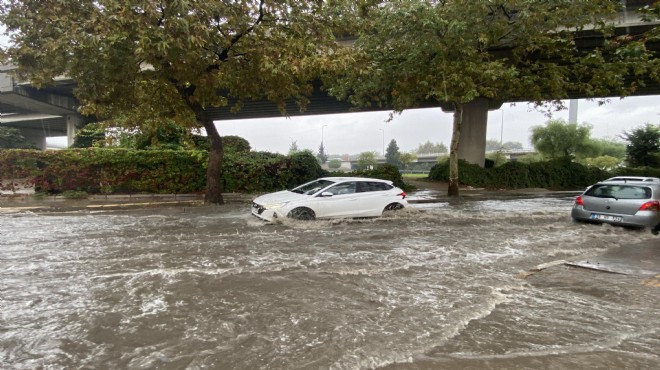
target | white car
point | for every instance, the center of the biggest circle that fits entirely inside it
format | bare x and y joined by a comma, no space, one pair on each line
331,197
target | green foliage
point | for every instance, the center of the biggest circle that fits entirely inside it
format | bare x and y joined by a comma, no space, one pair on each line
643,146
367,160
384,171
293,148
431,148
322,156
144,63
608,147
392,154
72,194
556,174
531,158
92,135
235,144
11,138
638,171
559,139
406,159
115,170
494,145
604,162
498,158
119,170
334,164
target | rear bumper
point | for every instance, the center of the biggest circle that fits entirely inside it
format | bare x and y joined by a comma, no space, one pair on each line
640,219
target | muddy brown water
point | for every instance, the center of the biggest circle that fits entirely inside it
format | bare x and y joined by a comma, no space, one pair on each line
437,286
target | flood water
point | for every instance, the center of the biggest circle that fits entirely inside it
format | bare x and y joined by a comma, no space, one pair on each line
438,286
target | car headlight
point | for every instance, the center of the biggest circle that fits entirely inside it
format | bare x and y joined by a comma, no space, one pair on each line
274,205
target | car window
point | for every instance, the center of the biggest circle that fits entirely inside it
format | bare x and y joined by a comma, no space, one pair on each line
312,187
366,186
343,188
620,192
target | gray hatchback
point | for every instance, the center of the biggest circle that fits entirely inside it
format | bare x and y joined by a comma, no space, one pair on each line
625,203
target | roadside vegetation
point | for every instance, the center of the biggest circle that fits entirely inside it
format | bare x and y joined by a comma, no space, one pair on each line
566,158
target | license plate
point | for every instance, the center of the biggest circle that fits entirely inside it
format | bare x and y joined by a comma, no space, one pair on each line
595,216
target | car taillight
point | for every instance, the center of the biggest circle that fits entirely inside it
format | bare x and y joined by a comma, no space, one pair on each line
579,201
650,206
403,195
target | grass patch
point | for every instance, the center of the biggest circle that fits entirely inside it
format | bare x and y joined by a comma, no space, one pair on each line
415,175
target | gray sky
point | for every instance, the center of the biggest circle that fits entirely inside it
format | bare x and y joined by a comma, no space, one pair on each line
354,133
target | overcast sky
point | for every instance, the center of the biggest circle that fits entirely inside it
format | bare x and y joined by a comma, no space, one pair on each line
354,133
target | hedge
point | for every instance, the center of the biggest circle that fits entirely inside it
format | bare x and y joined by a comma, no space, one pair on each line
114,170
556,175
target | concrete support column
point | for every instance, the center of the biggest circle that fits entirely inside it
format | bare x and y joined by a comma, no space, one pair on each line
72,123
472,143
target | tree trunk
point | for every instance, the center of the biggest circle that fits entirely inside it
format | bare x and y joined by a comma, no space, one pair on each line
452,190
214,185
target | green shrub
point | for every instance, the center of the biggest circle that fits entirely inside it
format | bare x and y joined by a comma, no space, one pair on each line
383,172
556,174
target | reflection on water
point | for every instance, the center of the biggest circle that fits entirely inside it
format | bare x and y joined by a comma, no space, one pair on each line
435,286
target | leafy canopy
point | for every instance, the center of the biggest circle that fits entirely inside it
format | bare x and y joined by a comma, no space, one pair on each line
559,139
157,58
417,52
431,148
11,138
643,146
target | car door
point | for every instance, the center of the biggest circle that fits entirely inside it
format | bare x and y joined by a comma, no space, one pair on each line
373,197
342,203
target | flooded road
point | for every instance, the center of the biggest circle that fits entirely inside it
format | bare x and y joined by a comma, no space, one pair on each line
438,286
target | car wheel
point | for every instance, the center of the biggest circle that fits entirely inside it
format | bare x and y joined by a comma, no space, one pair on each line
302,213
393,207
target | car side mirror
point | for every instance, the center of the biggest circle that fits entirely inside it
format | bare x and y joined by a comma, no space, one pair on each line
326,194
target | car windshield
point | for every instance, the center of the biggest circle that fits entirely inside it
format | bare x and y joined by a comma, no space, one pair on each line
620,192
312,187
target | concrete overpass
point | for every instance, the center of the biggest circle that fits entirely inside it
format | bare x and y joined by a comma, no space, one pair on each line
39,113
52,111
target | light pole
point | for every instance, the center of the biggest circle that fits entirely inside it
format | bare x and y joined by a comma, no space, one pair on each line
383,131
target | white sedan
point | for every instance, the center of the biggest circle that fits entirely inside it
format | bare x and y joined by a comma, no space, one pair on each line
331,197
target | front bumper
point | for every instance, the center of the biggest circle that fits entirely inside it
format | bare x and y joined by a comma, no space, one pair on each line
265,214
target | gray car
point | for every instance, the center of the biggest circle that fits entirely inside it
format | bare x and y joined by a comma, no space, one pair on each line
620,202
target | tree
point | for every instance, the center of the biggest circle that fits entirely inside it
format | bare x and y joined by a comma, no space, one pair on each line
322,156
494,145
334,164
431,148
406,159
367,160
643,146
559,139
392,154
455,53
11,138
609,147
153,59
293,148
604,162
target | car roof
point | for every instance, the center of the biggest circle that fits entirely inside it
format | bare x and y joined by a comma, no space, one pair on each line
338,179
632,179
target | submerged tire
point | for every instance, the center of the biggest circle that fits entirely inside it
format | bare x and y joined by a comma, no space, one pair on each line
302,213
393,207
